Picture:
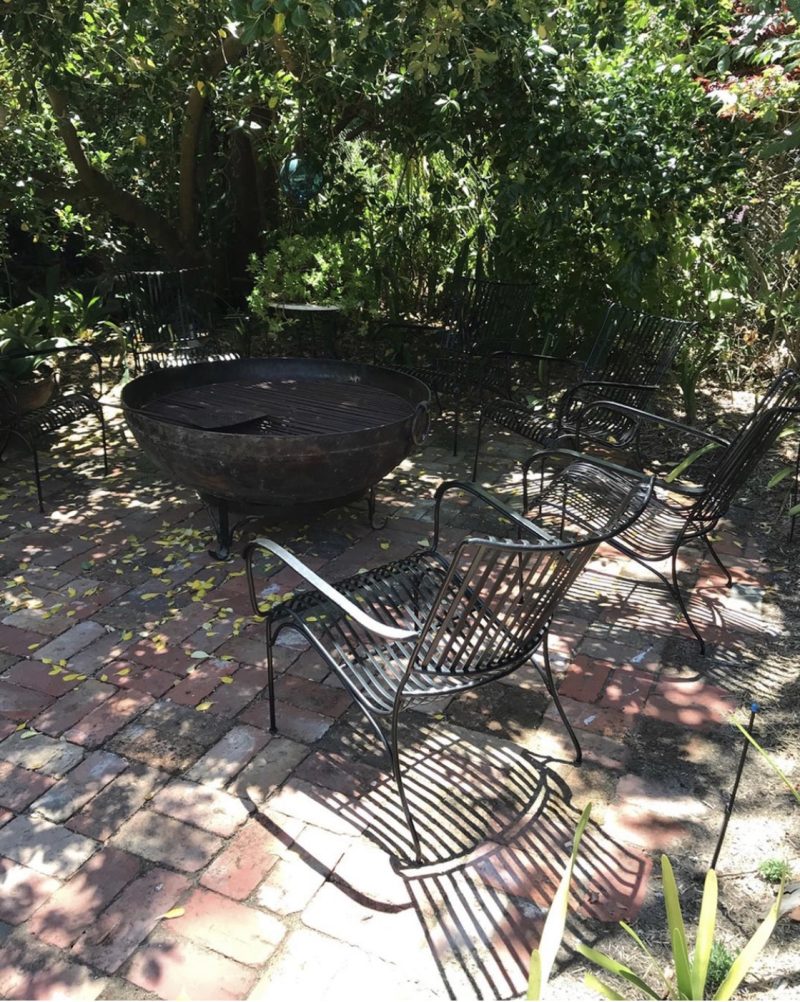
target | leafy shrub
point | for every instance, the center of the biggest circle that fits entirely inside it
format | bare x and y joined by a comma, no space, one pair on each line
774,871
326,270
719,964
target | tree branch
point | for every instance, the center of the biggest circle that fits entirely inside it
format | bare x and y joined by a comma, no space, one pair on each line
227,51
118,202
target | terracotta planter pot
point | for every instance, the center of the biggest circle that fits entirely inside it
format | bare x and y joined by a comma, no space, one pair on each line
34,393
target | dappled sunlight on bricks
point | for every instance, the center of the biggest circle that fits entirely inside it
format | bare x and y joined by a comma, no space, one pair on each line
277,845
690,702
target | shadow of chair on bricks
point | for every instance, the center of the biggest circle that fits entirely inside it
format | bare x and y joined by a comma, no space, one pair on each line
496,824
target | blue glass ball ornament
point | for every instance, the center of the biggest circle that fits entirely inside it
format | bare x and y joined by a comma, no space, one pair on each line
300,178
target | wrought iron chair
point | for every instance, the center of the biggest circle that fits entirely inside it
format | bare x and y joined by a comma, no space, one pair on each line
430,626
676,514
477,317
64,408
170,318
629,359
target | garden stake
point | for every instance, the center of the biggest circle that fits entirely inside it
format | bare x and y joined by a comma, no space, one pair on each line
754,708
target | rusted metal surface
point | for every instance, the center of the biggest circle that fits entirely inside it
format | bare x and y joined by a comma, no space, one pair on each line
277,433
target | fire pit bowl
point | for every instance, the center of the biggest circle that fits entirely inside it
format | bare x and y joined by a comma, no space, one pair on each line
276,436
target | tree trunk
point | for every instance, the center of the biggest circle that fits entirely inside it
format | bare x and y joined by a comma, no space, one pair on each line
117,201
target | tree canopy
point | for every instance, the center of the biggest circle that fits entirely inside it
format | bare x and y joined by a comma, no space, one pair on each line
614,146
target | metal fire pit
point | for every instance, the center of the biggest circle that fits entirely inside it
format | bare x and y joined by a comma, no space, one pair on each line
276,437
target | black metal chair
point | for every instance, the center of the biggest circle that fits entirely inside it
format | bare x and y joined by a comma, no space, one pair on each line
430,626
169,317
476,318
66,406
629,359
677,514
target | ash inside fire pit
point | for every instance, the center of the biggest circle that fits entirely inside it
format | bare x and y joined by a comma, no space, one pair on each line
276,436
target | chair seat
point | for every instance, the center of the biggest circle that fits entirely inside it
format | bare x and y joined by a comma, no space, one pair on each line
399,594
176,355
56,414
592,493
526,421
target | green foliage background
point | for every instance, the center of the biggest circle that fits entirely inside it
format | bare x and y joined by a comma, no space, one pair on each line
618,148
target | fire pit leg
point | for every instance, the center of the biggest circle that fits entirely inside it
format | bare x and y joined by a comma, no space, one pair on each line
220,520
371,511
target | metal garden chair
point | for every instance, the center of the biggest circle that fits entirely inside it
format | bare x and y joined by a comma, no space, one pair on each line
477,317
64,408
629,359
430,626
676,514
170,317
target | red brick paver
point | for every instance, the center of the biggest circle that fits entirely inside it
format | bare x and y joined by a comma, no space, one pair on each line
76,905
174,968
245,934
109,941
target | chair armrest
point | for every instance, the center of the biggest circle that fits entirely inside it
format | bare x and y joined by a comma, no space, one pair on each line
641,415
572,456
531,356
567,399
478,492
415,325
322,586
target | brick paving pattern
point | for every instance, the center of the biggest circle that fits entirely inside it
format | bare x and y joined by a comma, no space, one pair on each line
157,841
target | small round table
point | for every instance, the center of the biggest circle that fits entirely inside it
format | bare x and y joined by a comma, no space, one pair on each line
320,321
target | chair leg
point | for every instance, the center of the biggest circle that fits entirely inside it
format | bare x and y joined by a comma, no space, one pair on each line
477,447
394,754
36,473
676,590
101,416
795,493
718,561
270,676
551,688
456,421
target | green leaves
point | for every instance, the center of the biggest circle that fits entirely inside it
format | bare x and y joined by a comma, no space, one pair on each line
690,969
543,958
689,460
748,956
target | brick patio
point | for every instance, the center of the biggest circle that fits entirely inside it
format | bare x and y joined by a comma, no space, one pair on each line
157,841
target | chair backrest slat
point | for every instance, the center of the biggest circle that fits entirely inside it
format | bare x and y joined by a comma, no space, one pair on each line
738,461
502,316
635,347
499,595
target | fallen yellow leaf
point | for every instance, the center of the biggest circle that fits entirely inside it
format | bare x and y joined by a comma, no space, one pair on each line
174,913
226,679
205,705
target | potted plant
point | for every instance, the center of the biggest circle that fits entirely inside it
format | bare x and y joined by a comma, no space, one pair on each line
27,336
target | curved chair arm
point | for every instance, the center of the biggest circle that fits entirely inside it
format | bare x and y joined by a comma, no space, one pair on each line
322,586
641,415
478,492
532,356
573,456
411,325
567,400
